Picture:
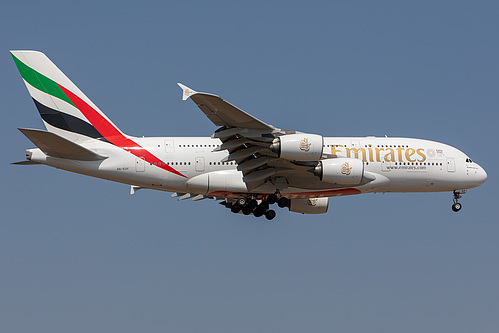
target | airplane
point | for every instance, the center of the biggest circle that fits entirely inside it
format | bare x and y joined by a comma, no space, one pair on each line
247,164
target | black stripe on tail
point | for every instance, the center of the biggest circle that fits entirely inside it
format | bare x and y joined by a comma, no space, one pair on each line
67,122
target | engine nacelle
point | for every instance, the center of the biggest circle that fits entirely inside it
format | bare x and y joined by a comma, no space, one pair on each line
343,171
299,147
309,206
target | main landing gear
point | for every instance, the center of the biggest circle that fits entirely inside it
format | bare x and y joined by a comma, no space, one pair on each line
258,208
456,206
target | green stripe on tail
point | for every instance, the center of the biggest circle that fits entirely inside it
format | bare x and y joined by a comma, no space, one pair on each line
40,81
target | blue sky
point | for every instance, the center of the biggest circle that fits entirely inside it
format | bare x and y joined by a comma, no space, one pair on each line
80,254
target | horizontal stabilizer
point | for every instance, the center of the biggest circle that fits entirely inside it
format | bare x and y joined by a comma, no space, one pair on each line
56,146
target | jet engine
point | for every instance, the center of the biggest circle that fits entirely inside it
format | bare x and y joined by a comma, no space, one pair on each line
299,147
341,171
309,206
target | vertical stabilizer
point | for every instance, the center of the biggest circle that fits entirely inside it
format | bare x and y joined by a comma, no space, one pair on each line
64,108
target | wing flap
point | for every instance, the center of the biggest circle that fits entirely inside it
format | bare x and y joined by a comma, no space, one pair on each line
56,146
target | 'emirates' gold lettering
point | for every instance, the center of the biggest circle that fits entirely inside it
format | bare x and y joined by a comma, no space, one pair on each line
371,158
400,149
378,158
420,152
334,151
408,154
356,152
368,154
390,156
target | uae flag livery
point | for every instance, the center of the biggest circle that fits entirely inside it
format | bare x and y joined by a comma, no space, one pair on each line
65,109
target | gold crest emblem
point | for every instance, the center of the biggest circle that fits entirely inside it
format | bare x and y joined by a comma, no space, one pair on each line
304,145
346,169
188,92
312,201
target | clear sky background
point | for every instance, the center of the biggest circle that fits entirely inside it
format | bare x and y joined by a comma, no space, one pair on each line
83,255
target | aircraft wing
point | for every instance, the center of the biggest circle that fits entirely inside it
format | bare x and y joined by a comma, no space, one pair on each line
249,142
221,112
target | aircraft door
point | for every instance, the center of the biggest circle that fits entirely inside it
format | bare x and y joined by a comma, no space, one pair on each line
199,164
451,165
386,166
140,165
169,146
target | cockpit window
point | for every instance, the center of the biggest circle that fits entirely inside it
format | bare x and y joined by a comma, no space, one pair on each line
469,160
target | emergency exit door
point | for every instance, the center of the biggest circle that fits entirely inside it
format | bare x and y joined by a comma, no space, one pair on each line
140,165
199,164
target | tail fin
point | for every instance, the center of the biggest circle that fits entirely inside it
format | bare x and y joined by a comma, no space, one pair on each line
65,110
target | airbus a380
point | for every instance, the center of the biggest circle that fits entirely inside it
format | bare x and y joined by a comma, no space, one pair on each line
247,164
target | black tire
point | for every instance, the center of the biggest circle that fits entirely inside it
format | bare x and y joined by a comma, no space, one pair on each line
258,212
456,207
282,202
242,202
235,208
247,210
270,214
252,203
264,205
272,199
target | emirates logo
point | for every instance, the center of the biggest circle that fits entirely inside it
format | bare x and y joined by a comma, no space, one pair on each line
346,169
312,202
188,92
304,145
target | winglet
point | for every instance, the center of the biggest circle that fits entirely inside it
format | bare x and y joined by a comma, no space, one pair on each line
187,92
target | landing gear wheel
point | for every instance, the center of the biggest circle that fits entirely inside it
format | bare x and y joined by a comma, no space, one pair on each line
282,202
247,210
242,201
235,208
261,209
456,207
272,199
252,203
270,214
258,212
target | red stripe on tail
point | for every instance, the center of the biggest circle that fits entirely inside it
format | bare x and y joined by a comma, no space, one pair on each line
114,135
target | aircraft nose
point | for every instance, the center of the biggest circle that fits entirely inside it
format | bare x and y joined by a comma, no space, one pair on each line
481,176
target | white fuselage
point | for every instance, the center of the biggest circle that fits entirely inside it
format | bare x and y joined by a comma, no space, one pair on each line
398,165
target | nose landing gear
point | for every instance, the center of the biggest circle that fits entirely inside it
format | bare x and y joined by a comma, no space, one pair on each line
456,206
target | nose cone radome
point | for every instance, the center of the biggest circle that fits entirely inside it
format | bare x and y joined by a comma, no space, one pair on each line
481,176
